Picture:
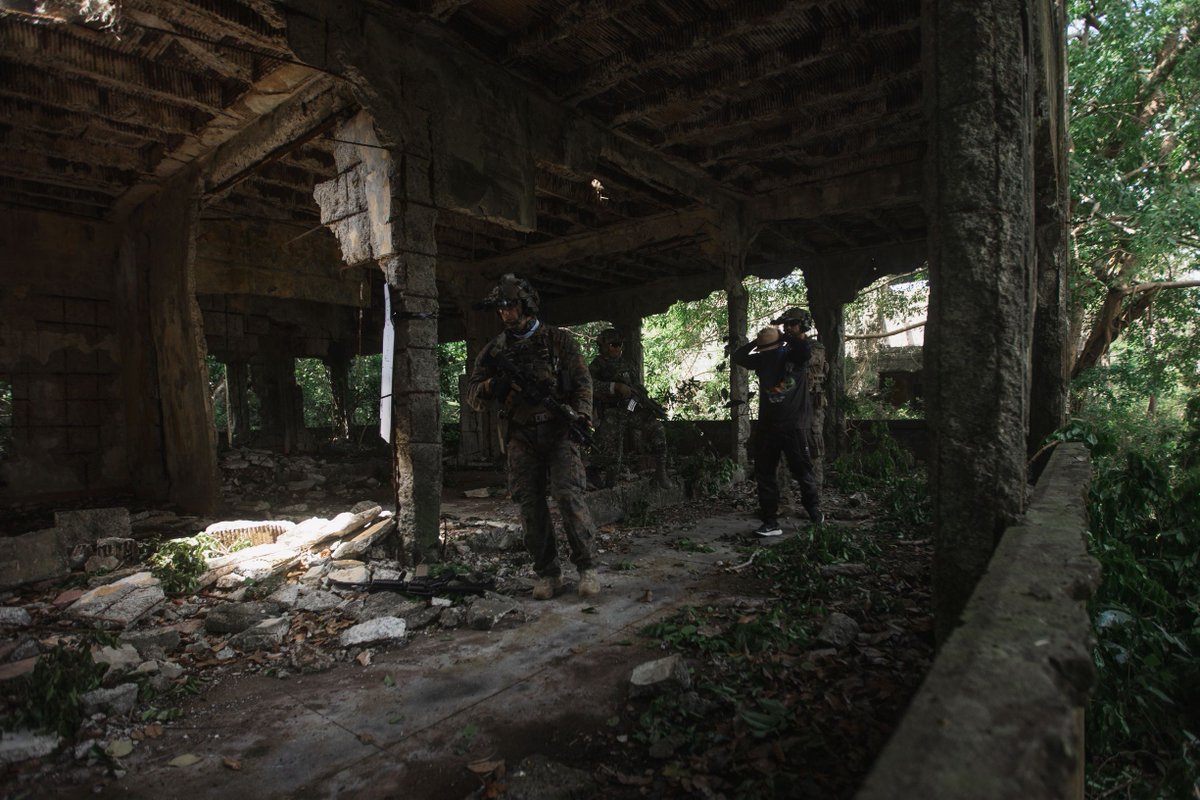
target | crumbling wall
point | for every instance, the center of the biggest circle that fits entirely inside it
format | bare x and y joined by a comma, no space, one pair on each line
60,354
1001,713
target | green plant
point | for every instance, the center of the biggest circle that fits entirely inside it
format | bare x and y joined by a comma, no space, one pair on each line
705,473
49,698
179,563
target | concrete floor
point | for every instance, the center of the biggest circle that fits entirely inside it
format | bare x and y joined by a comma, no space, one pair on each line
408,724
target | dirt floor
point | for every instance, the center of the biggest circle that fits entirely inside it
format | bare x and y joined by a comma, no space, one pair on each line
538,701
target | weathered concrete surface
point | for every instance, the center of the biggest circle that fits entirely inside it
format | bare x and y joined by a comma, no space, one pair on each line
1001,713
452,699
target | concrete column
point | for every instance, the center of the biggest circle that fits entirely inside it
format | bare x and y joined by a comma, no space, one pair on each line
280,403
739,378
338,364
980,191
1051,340
380,207
172,441
237,378
827,303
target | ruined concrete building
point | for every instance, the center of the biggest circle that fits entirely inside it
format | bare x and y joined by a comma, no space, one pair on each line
242,178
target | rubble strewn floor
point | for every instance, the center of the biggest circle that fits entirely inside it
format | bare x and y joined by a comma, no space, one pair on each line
292,684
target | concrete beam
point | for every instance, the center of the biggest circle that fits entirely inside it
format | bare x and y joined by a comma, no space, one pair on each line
310,109
625,237
882,188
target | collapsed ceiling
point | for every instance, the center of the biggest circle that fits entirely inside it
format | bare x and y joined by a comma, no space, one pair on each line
807,111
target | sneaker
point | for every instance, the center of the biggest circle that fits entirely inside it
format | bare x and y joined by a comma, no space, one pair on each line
589,584
769,528
545,587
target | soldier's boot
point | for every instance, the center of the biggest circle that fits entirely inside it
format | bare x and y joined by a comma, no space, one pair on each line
545,587
589,584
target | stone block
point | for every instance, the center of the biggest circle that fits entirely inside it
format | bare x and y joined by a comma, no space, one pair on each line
661,675
86,526
122,602
83,413
30,557
79,311
381,630
82,387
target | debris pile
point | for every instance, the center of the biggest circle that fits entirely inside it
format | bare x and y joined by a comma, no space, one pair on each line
121,631
300,483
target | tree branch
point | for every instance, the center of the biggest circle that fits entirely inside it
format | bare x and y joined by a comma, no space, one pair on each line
886,334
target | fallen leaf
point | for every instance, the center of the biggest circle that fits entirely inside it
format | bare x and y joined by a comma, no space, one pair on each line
364,657
389,681
366,738
589,610
119,748
185,760
648,597
232,763
153,731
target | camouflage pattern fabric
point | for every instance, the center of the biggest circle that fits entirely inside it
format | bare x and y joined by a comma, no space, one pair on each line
541,458
614,420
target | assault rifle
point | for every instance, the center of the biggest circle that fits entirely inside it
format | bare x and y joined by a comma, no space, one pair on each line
640,398
422,586
537,392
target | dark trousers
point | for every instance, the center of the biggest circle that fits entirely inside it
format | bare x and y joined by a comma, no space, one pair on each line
793,446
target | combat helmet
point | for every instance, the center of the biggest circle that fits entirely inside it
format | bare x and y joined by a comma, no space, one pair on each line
795,315
511,290
609,336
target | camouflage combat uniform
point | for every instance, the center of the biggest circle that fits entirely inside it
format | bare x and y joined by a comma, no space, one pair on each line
613,419
541,456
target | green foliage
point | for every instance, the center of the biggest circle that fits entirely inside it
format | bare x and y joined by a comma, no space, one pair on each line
452,364
1145,530
874,462
313,377
1134,72
366,372
179,563
49,698
705,473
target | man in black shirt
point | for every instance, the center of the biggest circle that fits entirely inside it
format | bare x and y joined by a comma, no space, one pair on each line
784,409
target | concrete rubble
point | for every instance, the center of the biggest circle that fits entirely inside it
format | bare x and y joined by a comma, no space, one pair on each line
276,595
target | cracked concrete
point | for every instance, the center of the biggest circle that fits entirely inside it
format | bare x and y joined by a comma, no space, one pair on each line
408,724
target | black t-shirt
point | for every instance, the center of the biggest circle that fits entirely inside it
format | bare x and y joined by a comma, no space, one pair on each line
783,399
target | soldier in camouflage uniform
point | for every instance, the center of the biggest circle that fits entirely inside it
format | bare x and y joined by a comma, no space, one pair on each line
541,455
613,379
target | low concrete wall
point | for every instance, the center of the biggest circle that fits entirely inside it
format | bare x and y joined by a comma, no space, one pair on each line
1001,713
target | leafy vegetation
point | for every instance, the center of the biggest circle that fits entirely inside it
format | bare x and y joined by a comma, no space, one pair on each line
179,563
50,697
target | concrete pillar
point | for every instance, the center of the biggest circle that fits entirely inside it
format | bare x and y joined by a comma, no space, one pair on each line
172,439
237,382
980,191
739,378
380,207
280,403
478,440
338,364
827,303
1051,340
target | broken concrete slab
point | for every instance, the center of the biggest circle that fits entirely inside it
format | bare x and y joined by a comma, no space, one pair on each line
120,603
658,676
154,643
362,542
309,537
89,525
237,617
14,617
317,600
266,635
380,630
349,572
18,746
32,557
487,611
115,702
120,660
